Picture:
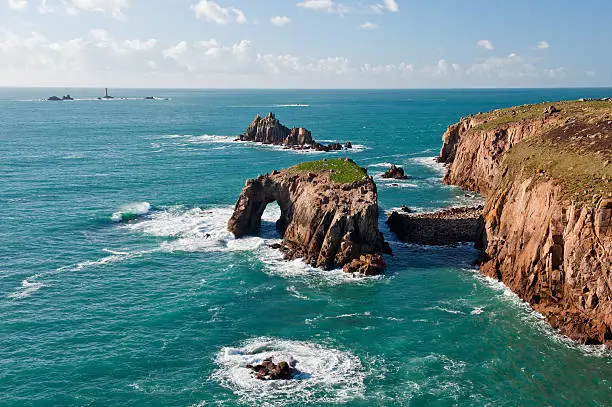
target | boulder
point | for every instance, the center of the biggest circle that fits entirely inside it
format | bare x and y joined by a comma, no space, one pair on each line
395,173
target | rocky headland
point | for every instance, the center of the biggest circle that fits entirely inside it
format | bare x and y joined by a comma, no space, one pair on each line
269,130
546,173
329,214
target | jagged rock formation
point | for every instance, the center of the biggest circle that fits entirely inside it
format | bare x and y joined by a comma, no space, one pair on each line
268,370
445,227
269,130
330,224
545,172
395,173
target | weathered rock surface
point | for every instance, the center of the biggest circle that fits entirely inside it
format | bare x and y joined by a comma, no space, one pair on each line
327,224
547,230
395,173
268,370
445,227
269,130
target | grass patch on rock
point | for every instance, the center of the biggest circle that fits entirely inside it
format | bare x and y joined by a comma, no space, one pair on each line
340,170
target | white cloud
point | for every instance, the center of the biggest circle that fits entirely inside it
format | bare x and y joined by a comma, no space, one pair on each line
486,44
554,73
543,45
368,26
18,4
442,68
280,20
212,11
102,39
113,7
511,67
401,68
329,6
386,5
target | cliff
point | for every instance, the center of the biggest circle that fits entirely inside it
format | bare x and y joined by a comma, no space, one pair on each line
546,174
329,214
269,130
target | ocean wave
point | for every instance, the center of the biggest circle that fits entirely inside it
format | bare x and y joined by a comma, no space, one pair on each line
381,165
429,162
131,211
292,105
326,375
27,288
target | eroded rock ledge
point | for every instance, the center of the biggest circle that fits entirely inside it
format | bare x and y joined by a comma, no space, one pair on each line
545,172
329,214
440,228
269,130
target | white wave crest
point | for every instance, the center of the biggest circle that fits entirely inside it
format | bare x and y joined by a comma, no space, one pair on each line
326,375
131,211
429,162
381,165
292,105
27,288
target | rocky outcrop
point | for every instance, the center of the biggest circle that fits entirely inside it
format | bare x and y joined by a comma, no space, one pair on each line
395,173
445,227
268,370
269,130
328,224
547,221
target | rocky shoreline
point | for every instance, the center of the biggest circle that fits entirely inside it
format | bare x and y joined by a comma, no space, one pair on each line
547,222
269,130
329,215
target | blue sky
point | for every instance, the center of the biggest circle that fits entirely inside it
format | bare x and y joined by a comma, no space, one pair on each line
305,43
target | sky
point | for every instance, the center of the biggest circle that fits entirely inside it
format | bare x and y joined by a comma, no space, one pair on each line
306,43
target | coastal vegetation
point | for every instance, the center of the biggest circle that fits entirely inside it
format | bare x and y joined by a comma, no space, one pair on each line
340,170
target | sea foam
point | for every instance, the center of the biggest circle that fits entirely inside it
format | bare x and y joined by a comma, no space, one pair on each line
326,375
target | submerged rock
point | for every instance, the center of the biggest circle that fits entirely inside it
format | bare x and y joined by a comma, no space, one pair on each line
329,214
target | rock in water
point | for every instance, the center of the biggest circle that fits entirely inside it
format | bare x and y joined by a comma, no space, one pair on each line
267,370
329,214
395,173
269,130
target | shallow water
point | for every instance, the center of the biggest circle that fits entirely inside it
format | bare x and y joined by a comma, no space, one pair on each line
162,309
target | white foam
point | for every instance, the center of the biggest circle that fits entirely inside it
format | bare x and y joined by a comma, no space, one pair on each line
326,375
429,162
292,105
295,293
27,288
130,211
381,165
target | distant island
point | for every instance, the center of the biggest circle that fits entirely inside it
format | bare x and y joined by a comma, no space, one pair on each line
269,130
106,96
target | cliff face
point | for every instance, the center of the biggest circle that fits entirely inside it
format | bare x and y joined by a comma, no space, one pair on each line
548,214
328,224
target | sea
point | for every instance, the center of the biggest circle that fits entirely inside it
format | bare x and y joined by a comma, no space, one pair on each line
121,286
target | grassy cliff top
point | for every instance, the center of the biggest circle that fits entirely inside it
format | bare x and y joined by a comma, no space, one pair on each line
573,147
340,170
586,110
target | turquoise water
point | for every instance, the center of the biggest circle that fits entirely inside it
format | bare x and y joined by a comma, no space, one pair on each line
154,312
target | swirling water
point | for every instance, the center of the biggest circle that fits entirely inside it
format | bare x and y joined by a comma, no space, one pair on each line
119,284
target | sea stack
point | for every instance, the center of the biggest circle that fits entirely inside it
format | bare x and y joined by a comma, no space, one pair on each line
269,130
546,173
329,214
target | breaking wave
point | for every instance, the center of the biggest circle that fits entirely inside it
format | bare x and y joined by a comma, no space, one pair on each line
131,211
326,375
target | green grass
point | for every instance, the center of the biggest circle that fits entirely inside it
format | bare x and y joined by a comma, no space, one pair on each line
338,169
501,117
